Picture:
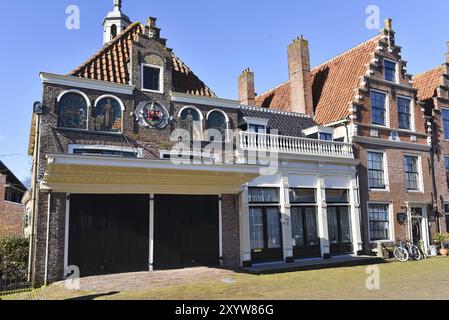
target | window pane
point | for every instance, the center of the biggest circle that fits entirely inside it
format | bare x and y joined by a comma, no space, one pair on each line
297,227
345,225
376,174
326,137
411,172
274,228
332,222
445,114
337,196
378,108
72,111
404,114
217,121
191,122
151,78
256,228
263,195
379,222
390,71
108,115
302,196
312,227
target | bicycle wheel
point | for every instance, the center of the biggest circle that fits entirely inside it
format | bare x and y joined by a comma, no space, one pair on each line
401,254
415,253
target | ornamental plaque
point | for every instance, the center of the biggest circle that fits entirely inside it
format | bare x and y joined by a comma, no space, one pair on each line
152,115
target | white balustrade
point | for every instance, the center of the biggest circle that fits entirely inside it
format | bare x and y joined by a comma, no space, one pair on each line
294,145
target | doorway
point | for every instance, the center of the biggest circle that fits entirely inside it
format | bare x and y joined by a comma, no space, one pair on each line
339,226
306,243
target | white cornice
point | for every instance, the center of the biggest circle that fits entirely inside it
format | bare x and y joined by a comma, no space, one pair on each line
207,101
77,82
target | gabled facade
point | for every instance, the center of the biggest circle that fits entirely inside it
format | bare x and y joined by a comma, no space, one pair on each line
367,97
140,166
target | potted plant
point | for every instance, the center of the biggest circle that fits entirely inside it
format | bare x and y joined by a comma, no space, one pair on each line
442,241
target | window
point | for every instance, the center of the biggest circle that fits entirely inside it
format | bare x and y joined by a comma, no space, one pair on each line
376,173
411,172
263,195
191,121
337,196
378,108
379,222
113,31
445,114
217,121
326,136
404,113
446,162
302,196
152,78
390,70
105,152
446,211
256,128
72,111
108,115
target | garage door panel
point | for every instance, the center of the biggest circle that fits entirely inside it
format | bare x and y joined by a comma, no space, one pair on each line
109,233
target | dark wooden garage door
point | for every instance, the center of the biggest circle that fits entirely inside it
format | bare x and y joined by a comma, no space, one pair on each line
109,233
186,231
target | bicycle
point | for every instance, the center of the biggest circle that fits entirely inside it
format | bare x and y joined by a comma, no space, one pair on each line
405,249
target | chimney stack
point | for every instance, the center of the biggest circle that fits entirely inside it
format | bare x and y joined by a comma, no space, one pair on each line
152,30
447,53
247,94
299,76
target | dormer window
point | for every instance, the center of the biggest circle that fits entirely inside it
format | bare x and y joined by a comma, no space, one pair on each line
152,78
256,125
320,133
390,70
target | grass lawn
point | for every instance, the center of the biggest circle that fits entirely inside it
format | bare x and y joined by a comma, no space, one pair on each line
428,279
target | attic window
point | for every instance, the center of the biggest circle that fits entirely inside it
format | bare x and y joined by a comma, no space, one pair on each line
390,70
152,78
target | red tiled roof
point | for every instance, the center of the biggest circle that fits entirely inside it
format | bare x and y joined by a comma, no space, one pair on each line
111,64
334,84
427,83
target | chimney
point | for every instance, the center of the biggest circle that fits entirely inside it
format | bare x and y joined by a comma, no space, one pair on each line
299,76
247,94
447,53
152,30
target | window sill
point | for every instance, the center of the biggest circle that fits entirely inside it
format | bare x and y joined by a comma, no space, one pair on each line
152,91
89,131
379,190
381,241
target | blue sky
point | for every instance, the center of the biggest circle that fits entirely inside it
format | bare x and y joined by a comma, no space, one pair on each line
217,39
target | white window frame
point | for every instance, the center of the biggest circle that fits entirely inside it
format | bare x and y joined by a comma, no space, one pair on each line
420,173
387,109
72,147
412,111
89,107
161,77
385,167
201,121
396,80
226,119
257,122
391,222
122,106
442,123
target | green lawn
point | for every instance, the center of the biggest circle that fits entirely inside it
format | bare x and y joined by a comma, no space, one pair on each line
428,279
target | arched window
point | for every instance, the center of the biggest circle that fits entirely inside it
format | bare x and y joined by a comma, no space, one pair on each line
72,111
218,120
107,114
191,121
113,31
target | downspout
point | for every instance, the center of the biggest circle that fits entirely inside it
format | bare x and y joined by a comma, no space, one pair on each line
48,239
434,184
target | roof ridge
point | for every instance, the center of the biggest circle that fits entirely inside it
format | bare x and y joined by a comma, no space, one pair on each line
296,114
106,47
428,71
272,89
345,52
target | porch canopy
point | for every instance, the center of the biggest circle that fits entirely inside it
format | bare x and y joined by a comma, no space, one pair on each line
99,175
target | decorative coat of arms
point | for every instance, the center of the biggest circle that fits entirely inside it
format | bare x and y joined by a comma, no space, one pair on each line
152,115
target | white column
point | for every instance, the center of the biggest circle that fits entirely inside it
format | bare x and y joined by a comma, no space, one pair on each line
323,231
355,216
245,241
286,219
66,234
151,226
220,228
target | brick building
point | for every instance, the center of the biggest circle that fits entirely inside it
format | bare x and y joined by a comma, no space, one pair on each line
367,97
118,198
11,208
433,86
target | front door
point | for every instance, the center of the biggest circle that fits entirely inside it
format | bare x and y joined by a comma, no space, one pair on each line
306,243
417,218
266,234
339,226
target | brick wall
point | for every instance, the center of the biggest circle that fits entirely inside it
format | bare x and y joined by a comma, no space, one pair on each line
11,214
230,227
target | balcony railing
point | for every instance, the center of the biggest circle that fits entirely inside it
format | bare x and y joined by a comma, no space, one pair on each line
294,145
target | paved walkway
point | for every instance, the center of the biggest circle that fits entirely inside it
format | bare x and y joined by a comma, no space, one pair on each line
156,279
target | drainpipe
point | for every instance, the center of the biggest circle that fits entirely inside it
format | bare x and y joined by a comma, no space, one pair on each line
432,165
48,238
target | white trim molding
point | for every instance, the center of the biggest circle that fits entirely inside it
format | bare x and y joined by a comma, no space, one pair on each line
206,101
193,108
111,97
396,144
71,81
161,77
